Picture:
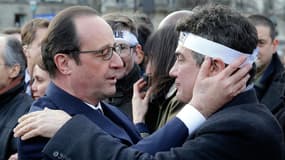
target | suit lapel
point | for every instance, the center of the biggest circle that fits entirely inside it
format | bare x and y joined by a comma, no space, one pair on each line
73,106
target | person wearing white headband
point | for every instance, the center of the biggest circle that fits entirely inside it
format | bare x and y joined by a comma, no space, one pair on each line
125,34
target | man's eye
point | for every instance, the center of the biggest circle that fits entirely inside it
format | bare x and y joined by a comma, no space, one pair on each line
123,47
261,42
105,51
179,57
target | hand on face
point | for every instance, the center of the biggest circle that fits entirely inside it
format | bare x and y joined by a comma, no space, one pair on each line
40,123
140,101
210,93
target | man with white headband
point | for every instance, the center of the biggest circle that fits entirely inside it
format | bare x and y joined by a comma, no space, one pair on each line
242,129
125,34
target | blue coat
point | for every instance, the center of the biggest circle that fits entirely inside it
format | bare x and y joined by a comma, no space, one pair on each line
113,122
241,130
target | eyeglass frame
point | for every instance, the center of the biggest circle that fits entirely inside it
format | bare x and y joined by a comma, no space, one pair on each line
129,47
116,48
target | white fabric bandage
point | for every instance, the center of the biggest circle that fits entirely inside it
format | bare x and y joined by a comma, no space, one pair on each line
213,49
126,36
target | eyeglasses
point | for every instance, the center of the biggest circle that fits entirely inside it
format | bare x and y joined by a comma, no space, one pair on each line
105,53
126,49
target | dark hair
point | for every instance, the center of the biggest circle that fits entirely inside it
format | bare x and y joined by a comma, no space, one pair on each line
161,47
144,27
118,22
62,36
222,25
257,19
13,54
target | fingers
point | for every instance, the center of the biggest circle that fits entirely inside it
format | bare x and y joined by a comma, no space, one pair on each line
26,116
148,93
24,127
13,157
137,86
231,68
32,133
204,70
240,85
239,91
27,122
240,74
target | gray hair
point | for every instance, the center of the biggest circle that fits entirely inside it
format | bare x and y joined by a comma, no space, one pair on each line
13,54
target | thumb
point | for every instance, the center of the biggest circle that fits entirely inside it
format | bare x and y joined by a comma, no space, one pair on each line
205,68
148,93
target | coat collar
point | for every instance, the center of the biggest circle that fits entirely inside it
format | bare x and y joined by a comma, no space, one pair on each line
73,106
11,93
245,97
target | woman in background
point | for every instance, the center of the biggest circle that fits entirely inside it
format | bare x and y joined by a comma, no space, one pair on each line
163,105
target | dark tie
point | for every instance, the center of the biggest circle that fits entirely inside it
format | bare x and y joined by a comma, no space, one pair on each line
100,111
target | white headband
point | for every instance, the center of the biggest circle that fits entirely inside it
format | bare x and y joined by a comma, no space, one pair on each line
126,36
213,49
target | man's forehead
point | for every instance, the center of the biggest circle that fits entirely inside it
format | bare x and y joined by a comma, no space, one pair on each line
120,41
94,31
182,50
262,31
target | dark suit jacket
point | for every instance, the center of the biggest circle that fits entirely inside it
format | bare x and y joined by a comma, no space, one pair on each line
273,79
13,104
242,130
113,122
272,95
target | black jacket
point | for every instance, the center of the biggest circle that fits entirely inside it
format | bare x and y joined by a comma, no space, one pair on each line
124,91
273,81
13,104
273,92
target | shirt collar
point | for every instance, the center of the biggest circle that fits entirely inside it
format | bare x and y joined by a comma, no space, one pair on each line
98,106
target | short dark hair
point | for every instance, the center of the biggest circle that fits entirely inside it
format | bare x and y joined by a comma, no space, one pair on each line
222,25
258,19
144,27
62,36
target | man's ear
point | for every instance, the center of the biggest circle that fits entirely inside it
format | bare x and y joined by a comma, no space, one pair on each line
25,50
139,54
63,63
275,43
217,65
14,71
